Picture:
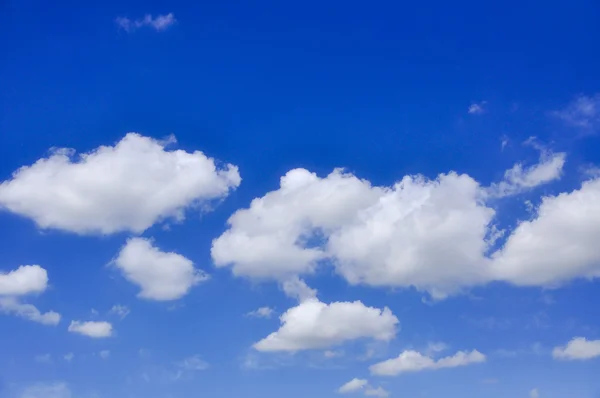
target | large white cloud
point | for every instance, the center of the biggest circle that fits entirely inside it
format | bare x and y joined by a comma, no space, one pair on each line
162,276
12,306
92,329
126,187
413,361
316,325
24,280
578,348
439,235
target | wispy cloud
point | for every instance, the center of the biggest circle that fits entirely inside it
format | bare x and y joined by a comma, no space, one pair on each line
583,112
477,108
158,23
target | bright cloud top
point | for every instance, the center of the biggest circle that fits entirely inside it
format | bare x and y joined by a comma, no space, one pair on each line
126,187
92,329
158,23
435,235
353,385
316,325
413,361
578,349
162,276
24,280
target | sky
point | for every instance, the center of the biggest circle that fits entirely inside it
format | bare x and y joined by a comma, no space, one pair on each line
326,199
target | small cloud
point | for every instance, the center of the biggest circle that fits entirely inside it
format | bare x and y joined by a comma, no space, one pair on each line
120,310
158,23
433,348
504,142
262,312
69,357
534,393
583,112
193,363
91,329
333,354
477,108
105,354
578,348
46,358
376,392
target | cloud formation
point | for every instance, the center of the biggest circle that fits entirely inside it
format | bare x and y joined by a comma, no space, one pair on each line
11,305
162,276
92,329
578,348
126,187
353,385
413,361
583,112
262,312
26,279
158,23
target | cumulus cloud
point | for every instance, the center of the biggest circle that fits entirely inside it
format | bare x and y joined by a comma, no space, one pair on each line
126,187
353,386
24,280
413,361
158,23
438,236
316,325
262,312
583,112
92,329
49,390
162,276
578,348
12,306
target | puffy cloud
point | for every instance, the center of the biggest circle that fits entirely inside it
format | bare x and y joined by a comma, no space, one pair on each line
11,305
413,361
50,390
120,310
353,386
158,23
438,236
519,179
578,349
24,280
477,108
92,329
583,112
316,325
126,187
262,312
162,276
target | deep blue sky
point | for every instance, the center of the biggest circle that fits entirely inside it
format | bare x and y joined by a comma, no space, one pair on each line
380,89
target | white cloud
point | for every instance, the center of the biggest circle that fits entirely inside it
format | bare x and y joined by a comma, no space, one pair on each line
193,363
44,358
519,179
11,305
583,112
333,354
578,348
104,354
477,108
376,392
24,280
262,312
126,187
413,361
298,289
50,390
69,357
162,276
534,393
120,310
158,23
316,325
435,235
353,386
92,329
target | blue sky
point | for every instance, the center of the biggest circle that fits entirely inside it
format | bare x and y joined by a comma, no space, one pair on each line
276,199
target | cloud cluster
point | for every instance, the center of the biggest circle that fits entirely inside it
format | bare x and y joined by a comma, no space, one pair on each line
413,361
578,348
126,187
158,23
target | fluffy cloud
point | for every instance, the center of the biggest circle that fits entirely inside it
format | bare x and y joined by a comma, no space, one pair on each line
126,187
158,23
11,305
353,385
413,361
436,235
24,280
51,390
262,312
92,329
316,325
519,179
162,276
582,112
578,349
